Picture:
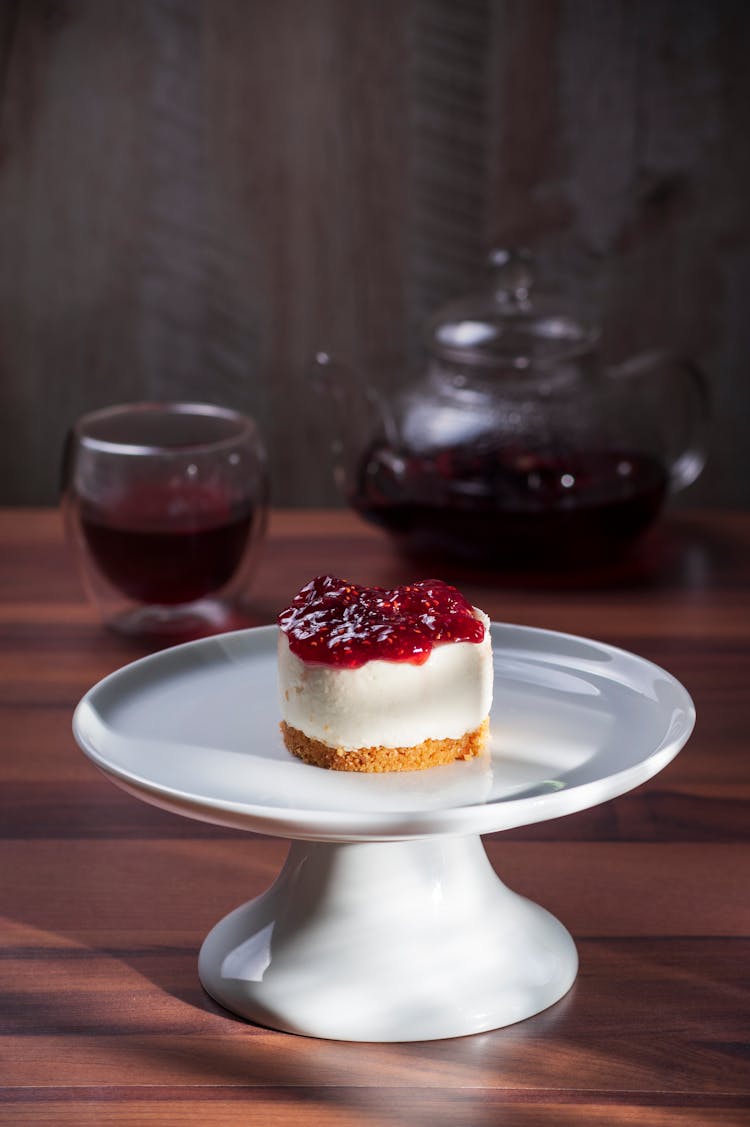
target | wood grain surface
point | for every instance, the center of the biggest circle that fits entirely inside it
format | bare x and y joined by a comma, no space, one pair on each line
197,195
105,900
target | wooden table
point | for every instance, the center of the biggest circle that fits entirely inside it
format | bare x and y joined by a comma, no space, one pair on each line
106,900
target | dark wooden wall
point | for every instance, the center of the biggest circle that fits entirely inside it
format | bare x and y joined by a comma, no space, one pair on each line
195,196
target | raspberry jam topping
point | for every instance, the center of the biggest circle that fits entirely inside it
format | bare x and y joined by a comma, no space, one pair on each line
331,622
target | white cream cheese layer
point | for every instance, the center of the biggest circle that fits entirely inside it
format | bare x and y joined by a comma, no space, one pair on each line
389,703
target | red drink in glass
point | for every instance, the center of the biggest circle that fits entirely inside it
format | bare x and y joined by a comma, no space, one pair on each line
165,504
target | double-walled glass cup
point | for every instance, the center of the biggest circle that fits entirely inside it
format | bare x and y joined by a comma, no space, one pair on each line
165,504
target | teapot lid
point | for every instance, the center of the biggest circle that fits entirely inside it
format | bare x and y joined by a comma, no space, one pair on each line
506,325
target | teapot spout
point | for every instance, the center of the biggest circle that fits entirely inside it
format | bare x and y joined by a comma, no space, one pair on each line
672,395
326,376
350,413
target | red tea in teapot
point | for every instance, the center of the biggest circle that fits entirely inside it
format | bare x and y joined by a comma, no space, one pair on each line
514,445
509,506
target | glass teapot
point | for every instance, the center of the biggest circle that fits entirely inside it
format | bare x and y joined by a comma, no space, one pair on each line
516,447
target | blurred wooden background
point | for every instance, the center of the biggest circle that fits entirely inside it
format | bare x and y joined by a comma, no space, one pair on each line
195,195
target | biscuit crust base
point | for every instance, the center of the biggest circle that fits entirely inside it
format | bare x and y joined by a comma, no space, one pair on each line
429,753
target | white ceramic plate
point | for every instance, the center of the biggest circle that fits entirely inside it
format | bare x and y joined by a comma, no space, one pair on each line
194,729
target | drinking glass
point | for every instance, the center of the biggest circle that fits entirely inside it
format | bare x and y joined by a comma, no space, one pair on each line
165,505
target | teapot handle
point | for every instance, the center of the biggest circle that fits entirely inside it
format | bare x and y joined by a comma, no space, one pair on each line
677,392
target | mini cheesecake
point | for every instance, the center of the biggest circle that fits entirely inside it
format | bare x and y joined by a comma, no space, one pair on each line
376,679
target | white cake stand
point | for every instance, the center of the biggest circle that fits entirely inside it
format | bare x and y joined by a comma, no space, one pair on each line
387,922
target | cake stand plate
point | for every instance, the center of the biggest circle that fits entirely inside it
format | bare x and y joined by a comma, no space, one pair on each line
387,921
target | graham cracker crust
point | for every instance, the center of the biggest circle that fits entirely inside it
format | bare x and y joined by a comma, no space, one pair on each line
429,753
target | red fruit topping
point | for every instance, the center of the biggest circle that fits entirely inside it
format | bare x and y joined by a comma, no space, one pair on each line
331,622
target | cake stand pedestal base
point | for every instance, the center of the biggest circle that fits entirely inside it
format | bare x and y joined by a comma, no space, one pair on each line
388,941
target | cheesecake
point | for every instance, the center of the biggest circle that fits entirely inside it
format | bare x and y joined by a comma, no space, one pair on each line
383,679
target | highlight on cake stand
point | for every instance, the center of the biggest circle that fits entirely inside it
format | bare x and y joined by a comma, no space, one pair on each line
387,921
